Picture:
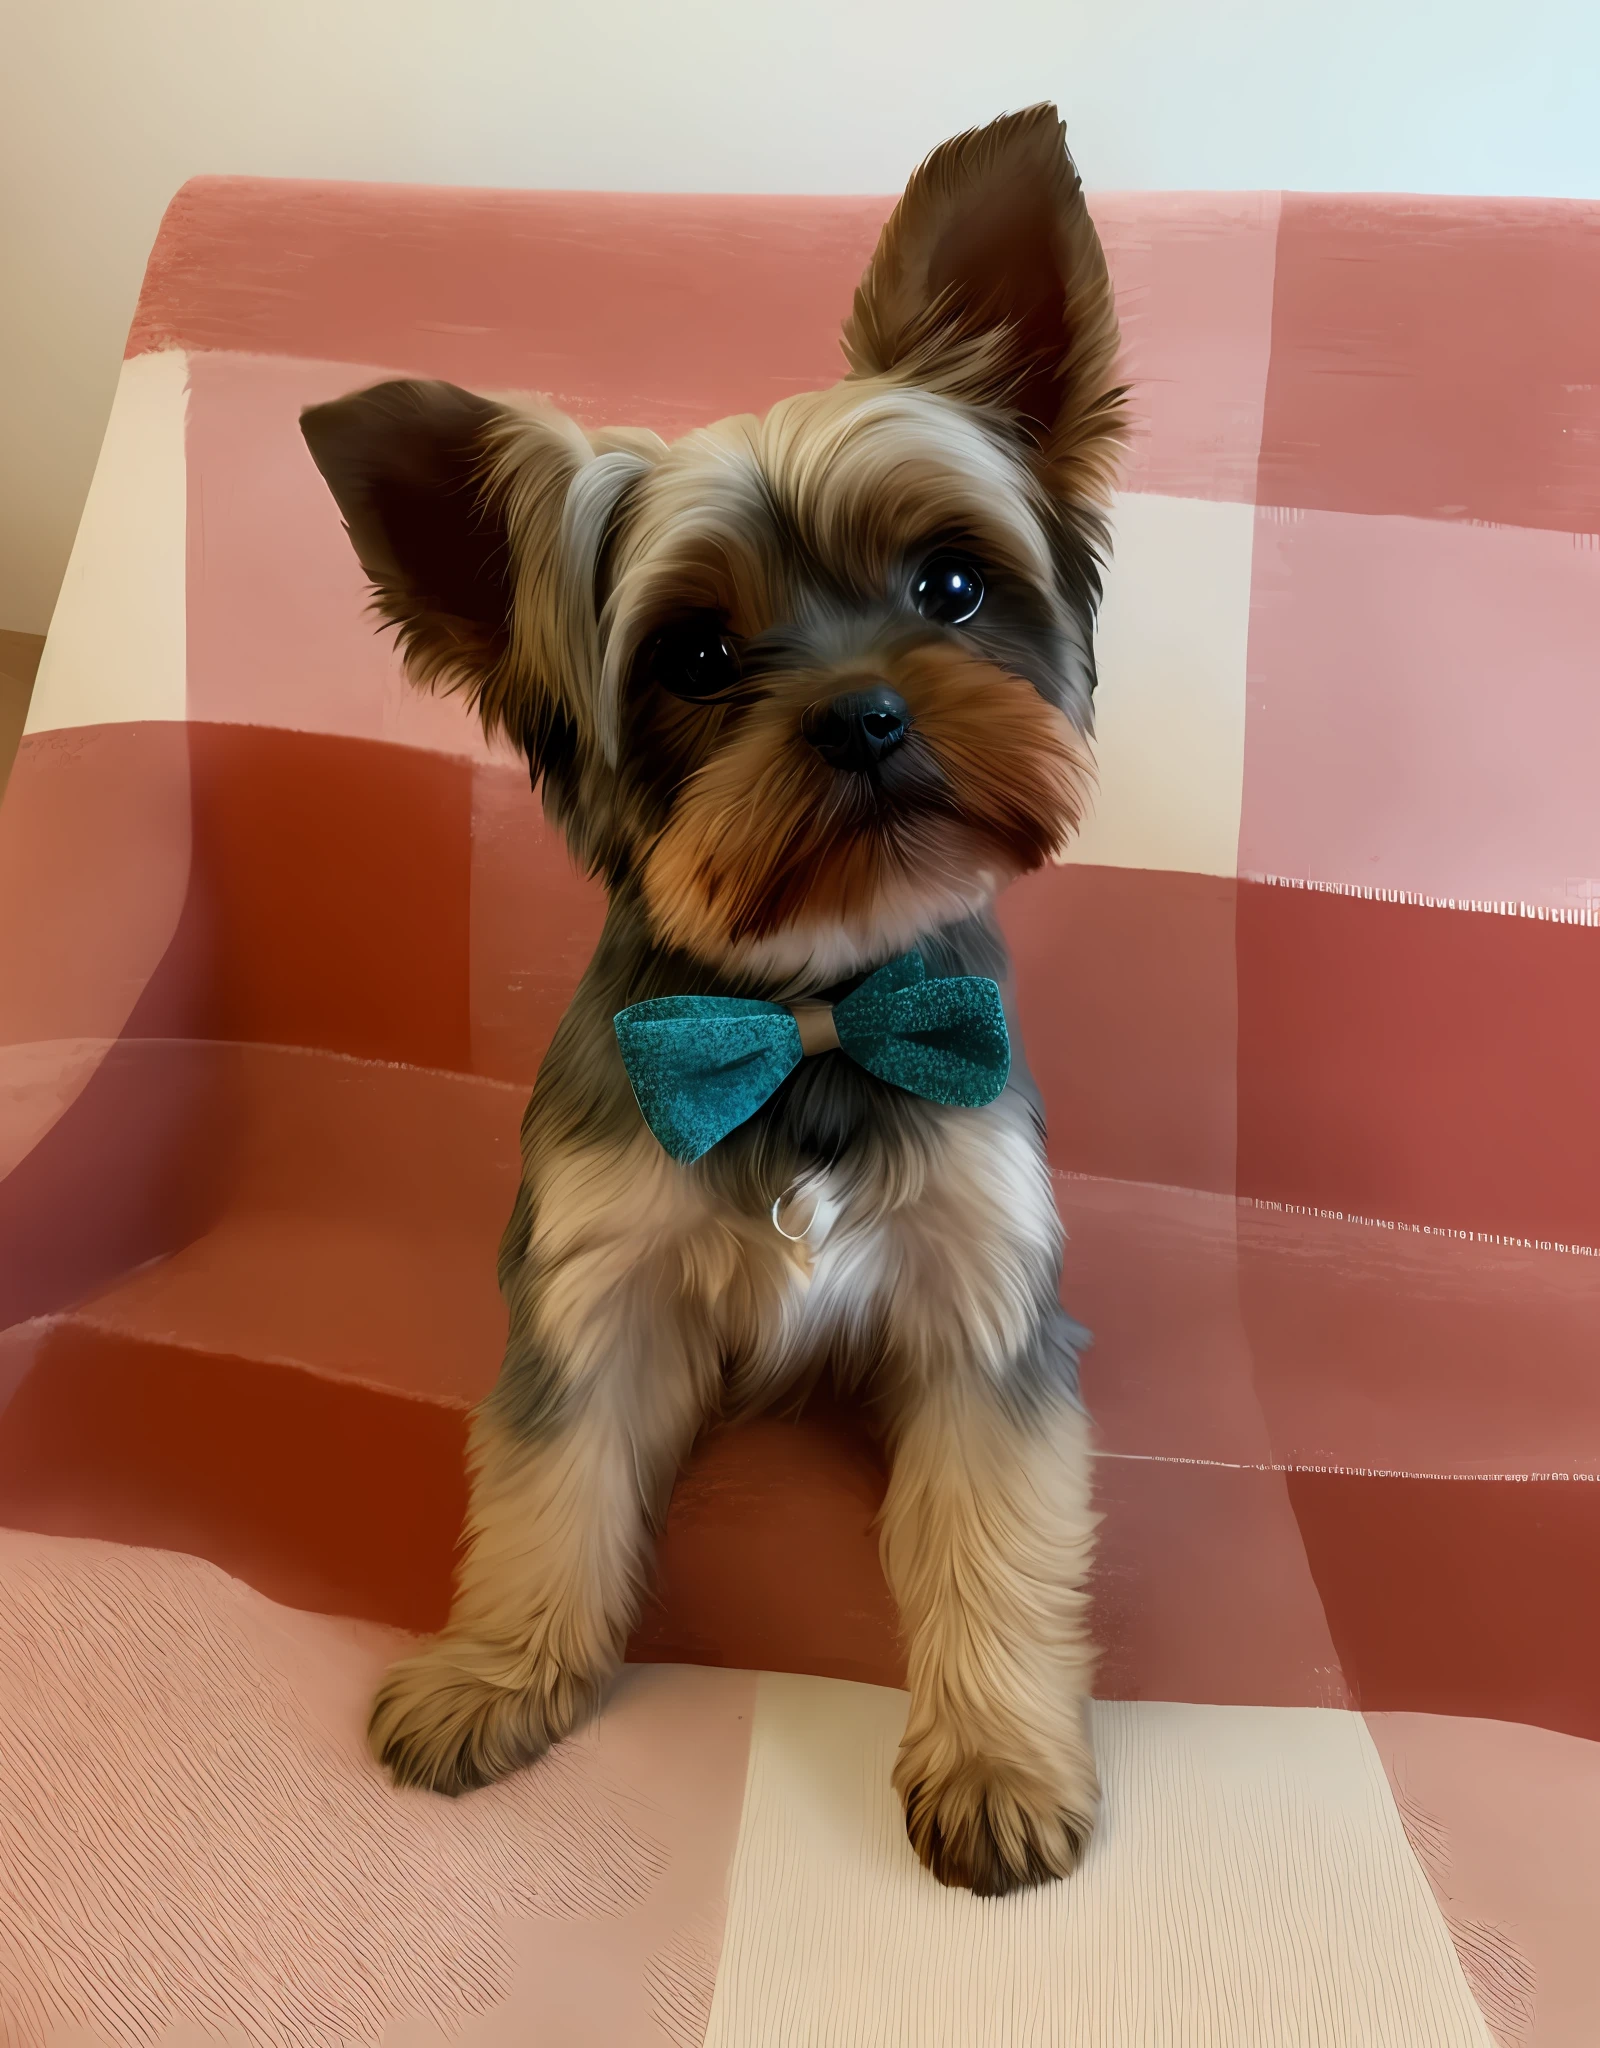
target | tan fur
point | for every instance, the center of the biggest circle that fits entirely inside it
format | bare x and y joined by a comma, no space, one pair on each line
647,1288
865,467
987,1541
987,1527
543,1604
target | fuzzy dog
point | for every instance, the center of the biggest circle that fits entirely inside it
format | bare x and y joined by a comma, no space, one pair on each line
804,692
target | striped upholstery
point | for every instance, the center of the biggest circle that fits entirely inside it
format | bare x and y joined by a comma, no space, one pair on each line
1314,1012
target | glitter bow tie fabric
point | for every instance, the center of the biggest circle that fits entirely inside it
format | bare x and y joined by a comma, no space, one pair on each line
702,1065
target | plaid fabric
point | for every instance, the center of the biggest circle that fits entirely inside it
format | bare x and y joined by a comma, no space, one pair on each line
1313,1010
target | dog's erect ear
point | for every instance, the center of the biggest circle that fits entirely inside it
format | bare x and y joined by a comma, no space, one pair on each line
408,465
989,283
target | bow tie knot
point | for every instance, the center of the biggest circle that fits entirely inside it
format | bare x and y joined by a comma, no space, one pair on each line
702,1065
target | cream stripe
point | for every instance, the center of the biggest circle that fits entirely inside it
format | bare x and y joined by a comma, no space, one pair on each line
1251,1887
117,644
1170,708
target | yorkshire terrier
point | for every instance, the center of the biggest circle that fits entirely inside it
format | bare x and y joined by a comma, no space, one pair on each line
804,692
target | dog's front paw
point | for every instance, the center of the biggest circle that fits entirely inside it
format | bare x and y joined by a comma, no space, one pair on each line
992,1827
452,1718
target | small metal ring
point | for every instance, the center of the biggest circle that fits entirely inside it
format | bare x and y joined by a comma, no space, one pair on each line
793,1237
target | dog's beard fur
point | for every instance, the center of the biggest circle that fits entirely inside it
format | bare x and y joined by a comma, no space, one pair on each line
529,564
775,862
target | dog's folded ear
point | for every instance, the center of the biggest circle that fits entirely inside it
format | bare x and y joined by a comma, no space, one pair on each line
409,465
989,284
480,551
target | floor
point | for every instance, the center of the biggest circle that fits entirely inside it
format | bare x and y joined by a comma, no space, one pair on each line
19,662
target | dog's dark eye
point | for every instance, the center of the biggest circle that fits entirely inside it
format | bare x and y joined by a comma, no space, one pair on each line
697,659
947,590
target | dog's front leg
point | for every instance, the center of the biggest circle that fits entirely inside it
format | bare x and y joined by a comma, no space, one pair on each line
987,1527
573,1457
987,1542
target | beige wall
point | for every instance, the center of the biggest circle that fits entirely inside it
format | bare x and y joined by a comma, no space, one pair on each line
106,106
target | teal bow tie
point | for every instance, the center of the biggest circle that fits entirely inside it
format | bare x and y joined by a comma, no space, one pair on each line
703,1065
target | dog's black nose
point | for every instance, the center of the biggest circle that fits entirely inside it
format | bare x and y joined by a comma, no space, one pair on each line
855,731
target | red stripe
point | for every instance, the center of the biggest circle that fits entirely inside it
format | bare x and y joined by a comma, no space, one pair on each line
1211,1584
1125,977
1461,1596
672,310
1202,1591
1430,1066
320,1494
332,881
344,1500
1423,1066
769,1560
94,864
665,311
1395,1351
1439,357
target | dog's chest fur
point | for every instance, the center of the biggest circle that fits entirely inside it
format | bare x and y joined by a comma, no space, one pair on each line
941,1245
